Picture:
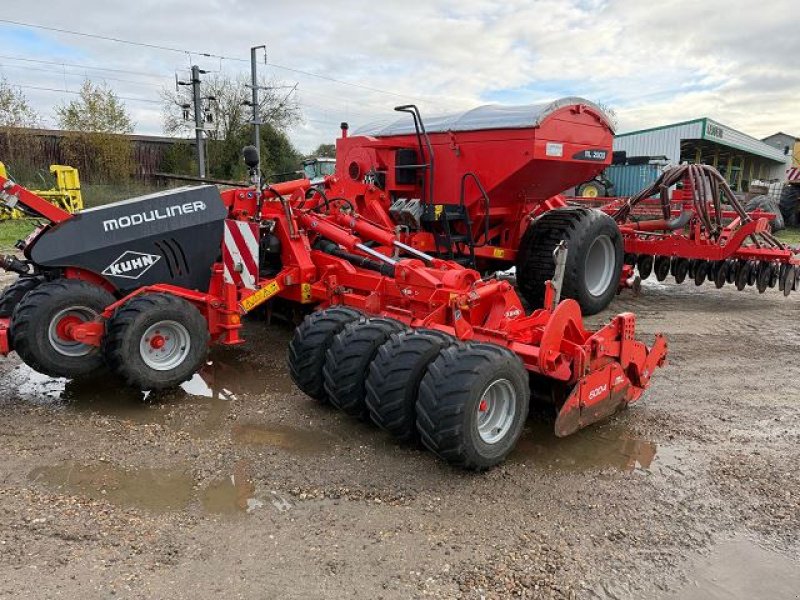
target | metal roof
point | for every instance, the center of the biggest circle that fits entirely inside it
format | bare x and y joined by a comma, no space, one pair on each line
702,128
490,116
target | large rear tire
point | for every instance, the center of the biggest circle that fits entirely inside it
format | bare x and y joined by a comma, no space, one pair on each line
594,257
14,293
156,341
394,377
39,327
311,340
347,362
472,405
789,204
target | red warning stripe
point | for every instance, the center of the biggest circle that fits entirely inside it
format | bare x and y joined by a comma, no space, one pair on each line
245,251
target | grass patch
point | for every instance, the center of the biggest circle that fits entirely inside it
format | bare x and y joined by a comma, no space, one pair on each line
13,230
789,236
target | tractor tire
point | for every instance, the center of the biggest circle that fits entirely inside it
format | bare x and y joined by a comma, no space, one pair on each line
156,341
14,293
348,359
311,340
591,189
394,377
594,257
36,323
789,204
472,405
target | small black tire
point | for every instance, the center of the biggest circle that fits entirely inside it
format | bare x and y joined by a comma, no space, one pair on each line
394,377
662,267
451,397
172,330
35,334
591,237
348,359
311,340
13,294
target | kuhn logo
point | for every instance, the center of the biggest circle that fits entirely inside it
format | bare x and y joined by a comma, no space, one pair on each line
602,389
157,214
131,265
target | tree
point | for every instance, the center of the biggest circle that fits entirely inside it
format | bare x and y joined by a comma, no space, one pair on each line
20,149
230,127
97,110
15,111
325,151
93,142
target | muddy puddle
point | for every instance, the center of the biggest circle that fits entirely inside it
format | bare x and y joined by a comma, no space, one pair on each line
741,570
231,495
304,441
155,490
608,445
227,376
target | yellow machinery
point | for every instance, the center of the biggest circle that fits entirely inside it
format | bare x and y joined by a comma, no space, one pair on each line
66,194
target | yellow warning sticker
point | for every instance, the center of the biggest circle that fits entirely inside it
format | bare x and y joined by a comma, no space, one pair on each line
305,293
261,296
437,210
498,253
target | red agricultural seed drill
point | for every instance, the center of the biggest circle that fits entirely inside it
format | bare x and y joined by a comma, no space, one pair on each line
477,187
403,334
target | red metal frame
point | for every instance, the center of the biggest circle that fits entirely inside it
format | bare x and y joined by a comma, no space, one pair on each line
601,370
646,234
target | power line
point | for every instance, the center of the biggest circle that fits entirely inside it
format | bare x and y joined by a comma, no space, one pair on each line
206,54
63,91
79,66
68,74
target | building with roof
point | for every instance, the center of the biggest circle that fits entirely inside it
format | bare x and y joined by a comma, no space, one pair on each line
739,157
789,144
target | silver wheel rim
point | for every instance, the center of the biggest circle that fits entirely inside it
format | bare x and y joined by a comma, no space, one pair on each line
165,345
599,267
67,347
496,410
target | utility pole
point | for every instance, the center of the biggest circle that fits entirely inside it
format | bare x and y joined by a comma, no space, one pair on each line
254,86
199,121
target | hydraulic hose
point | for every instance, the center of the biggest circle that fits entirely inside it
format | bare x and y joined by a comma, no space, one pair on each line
9,262
357,260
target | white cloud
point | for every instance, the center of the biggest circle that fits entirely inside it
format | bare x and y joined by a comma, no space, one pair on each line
655,63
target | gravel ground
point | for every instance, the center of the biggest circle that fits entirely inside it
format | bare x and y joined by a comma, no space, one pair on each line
240,486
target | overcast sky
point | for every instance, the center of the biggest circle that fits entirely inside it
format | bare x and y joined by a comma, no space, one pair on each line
653,62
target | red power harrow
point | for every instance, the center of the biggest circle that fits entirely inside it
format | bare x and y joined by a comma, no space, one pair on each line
423,345
693,236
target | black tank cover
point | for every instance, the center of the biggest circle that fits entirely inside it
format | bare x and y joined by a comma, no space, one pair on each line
173,237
